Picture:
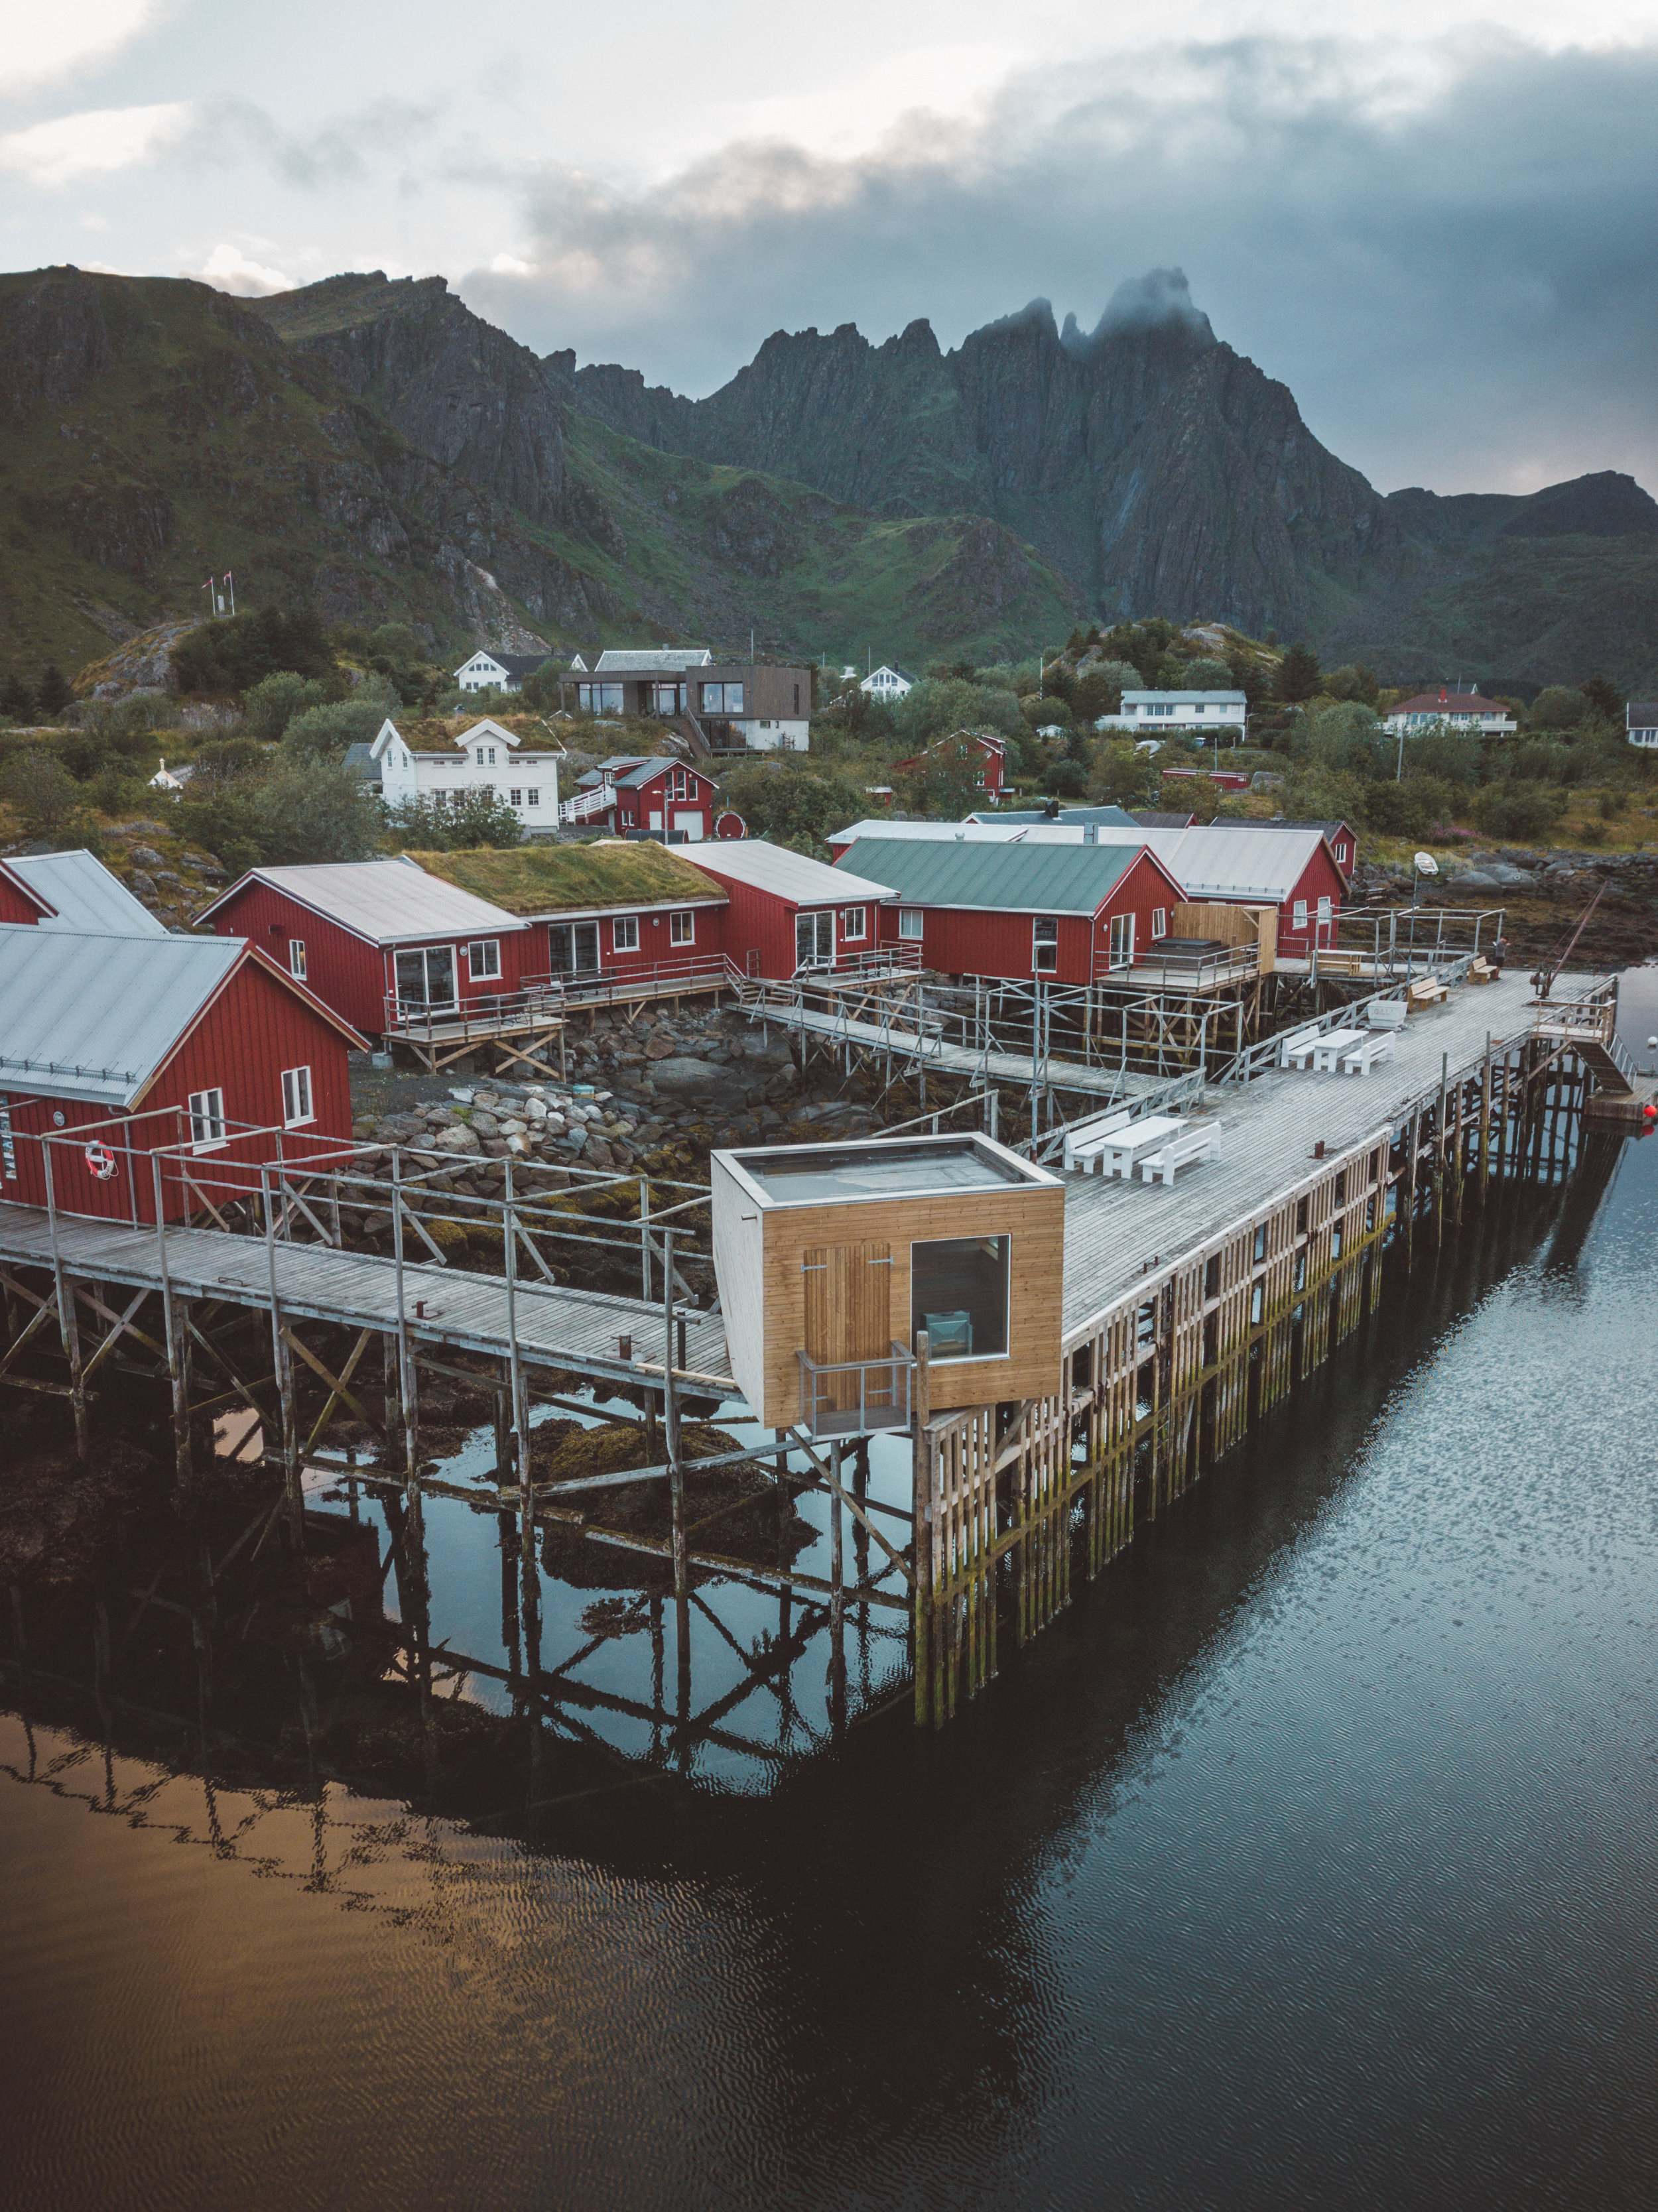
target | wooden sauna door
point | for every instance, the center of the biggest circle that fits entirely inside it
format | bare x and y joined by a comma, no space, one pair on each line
849,1307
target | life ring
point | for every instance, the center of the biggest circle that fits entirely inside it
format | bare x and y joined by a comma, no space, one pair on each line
101,1161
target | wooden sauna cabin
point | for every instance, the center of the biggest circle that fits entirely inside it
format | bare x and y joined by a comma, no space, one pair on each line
832,1259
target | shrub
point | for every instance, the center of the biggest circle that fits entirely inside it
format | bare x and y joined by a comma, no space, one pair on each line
801,807
46,799
1065,778
1557,707
324,732
1205,675
236,653
482,819
931,709
1519,810
315,810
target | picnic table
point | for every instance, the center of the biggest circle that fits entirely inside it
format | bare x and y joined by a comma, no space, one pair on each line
1318,1049
1084,1139
1120,1151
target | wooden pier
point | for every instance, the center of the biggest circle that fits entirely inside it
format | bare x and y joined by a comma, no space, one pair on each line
1189,1311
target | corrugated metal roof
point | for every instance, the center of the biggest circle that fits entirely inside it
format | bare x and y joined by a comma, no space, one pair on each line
789,875
972,831
1067,816
85,894
1217,861
386,901
84,1015
995,875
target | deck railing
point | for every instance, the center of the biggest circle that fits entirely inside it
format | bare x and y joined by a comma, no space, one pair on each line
536,1002
856,1397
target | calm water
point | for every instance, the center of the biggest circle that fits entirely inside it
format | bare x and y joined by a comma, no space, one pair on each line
1310,1862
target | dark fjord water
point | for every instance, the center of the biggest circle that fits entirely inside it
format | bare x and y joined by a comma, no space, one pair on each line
1308,1862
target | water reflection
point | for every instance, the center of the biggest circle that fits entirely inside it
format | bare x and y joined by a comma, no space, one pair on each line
1308,1860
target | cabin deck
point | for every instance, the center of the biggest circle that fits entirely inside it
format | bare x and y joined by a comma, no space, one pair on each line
1267,1134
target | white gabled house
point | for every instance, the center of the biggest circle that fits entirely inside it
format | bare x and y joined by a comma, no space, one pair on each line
486,757
887,684
498,672
1463,710
1153,714
1641,721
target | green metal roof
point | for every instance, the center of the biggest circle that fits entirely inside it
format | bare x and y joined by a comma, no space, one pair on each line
1015,878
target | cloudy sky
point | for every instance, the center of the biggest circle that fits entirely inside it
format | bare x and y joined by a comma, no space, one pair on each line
1434,221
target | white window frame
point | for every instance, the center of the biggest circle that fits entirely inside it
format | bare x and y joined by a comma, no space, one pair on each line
1298,914
1159,922
1049,945
532,795
208,1127
624,933
298,1107
1344,852
912,923
484,961
1122,940
1324,909
854,923
515,793
682,926
296,959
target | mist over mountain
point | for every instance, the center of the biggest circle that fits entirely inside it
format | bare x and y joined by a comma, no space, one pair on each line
373,448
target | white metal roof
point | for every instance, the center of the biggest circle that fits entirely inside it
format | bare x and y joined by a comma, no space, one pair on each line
85,896
667,659
787,875
970,832
386,901
1186,698
89,1016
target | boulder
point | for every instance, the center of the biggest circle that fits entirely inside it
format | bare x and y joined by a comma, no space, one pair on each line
459,1138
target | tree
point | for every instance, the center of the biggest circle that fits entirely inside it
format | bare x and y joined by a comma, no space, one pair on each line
273,703
1066,778
324,732
17,700
933,708
1298,674
946,783
422,825
54,694
1100,689
1355,681
1122,775
49,805
1205,675
801,807
1556,707
1605,698
234,653
315,810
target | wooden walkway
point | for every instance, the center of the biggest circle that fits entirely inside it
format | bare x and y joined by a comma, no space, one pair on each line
562,1327
934,1055
1268,1130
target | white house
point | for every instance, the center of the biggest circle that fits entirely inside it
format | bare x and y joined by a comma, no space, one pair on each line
1153,714
486,757
887,684
1641,721
1463,709
498,672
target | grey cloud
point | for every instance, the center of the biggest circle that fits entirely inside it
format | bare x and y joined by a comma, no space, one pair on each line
1448,253
1160,299
341,151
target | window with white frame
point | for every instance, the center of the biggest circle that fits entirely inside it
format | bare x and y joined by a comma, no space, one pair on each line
1160,922
1122,940
296,1097
1323,910
852,923
1298,914
682,928
296,959
484,960
624,933
1344,852
1044,945
207,1117
7,1145
517,794
681,784
532,795
911,922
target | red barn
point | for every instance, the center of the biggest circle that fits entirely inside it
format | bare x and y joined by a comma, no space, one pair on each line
648,795
786,912
1067,912
112,1049
369,937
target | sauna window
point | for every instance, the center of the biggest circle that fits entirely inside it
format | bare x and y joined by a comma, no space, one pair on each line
1212,1276
1300,1271
1260,1242
1341,1188
1300,1218
1257,1303
959,1295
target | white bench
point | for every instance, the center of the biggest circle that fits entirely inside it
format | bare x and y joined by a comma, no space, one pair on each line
1361,1058
1084,1140
1196,1145
1386,1013
1327,1052
1294,1043
1121,1152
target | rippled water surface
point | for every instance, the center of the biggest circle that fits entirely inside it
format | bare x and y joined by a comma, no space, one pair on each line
1309,1862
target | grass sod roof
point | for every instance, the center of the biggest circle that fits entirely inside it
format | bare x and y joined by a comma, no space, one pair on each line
539,878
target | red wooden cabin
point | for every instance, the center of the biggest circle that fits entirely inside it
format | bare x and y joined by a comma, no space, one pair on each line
115,1048
786,913
372,937
1065,913
993,759
72,891
649,795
